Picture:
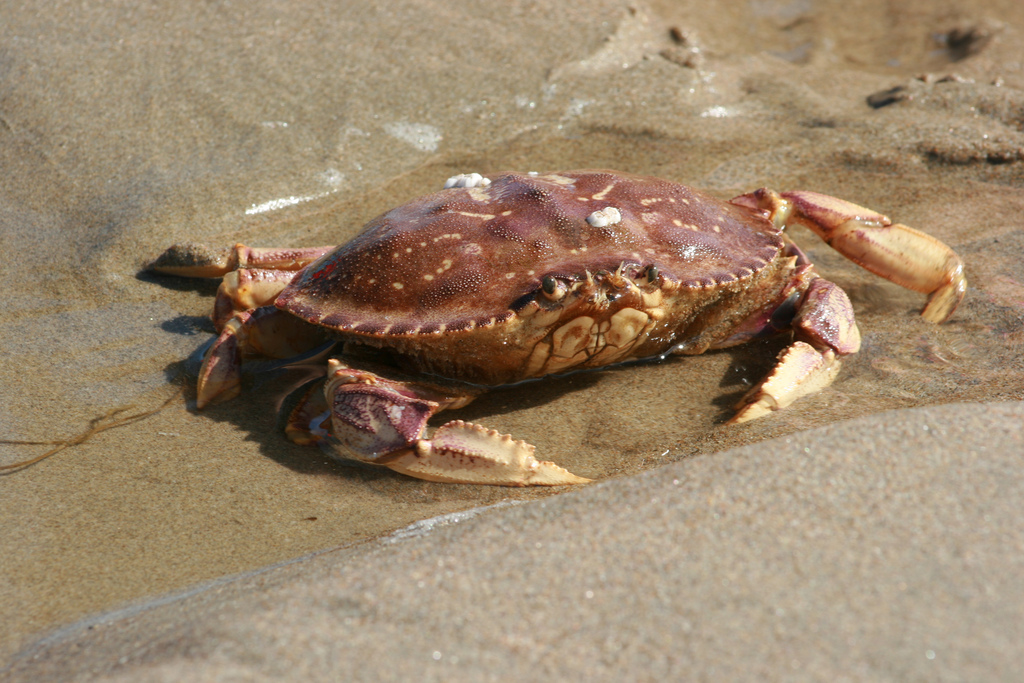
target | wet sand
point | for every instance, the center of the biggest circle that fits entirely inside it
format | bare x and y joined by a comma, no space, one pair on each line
125,129
863,564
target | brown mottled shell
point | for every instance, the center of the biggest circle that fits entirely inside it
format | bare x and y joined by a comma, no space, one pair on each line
466,256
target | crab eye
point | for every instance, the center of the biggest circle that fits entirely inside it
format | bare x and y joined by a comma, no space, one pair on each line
552,288
652,274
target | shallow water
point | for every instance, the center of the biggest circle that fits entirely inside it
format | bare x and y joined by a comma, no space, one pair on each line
125,129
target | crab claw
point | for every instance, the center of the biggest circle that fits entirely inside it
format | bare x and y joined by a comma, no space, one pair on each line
899,253
801,370
382,421
824,329
465,453
375,421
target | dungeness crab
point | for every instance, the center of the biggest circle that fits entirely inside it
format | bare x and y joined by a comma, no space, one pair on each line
492,281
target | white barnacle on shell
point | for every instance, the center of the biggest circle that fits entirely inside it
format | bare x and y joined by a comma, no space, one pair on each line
467,180
605,217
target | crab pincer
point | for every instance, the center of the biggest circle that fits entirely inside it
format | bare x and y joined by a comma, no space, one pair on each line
385,422
897,252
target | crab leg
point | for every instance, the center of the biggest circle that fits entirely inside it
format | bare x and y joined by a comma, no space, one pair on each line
246,289
899,253
246,323
383,421
264,331
824,329
189,259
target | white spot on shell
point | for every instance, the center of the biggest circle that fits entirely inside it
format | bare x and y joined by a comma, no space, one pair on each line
605,217
397,285
467,180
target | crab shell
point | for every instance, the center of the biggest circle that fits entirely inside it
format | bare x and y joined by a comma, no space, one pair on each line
538,274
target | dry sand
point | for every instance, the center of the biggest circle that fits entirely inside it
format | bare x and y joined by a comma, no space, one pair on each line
126,128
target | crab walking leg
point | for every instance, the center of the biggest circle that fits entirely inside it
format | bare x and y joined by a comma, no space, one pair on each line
189,259
265,331
382,421
246,289
899,253
825,329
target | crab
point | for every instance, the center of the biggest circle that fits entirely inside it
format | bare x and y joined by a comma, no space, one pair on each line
494,281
